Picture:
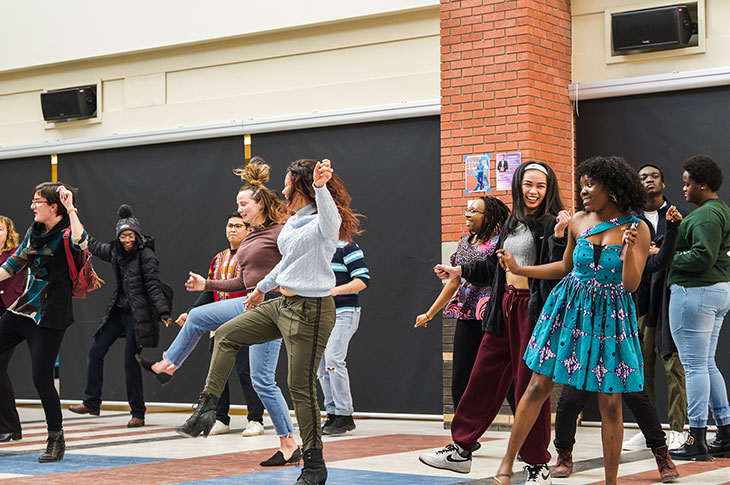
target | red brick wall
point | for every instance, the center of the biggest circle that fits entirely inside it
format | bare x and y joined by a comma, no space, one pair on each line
505,70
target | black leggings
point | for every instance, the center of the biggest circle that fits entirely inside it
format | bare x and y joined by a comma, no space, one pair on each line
572,401
44,344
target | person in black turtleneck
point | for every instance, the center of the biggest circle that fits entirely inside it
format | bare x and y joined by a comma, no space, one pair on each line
135,308
44,311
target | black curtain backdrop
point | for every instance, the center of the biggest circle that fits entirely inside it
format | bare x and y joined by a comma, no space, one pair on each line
182,193
663,129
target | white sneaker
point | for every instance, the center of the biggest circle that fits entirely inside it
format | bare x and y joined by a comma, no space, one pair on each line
538,474
635,443
219,428
676,439
254,428
448,458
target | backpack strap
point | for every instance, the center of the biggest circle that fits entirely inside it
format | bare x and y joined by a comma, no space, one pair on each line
73,271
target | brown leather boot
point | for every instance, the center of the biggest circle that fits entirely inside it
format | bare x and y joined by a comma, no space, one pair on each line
82,409
564,467
667,471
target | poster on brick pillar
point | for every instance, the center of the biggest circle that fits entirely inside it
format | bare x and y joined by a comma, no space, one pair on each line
476,172
506,164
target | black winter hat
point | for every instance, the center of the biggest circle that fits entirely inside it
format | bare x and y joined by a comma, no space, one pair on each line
127,221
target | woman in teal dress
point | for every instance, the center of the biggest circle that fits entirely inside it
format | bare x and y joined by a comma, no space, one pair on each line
586,335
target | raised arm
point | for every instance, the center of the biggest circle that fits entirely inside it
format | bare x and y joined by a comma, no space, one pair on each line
78,235
329,219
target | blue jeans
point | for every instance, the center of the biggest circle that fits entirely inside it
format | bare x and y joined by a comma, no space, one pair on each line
121,322
263,359
201,320
332,373
695,317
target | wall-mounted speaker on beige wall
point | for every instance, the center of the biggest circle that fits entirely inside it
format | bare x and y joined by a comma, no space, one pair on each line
652,29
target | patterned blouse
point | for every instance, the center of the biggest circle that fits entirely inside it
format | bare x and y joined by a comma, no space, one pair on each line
469,301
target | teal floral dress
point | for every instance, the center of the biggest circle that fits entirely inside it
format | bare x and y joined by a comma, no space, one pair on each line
586,335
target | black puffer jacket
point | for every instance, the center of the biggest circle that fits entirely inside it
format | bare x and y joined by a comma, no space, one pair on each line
138,271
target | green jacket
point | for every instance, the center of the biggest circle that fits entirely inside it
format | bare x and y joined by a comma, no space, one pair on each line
702,258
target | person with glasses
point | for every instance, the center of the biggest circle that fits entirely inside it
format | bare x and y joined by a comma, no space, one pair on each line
44,310
224,267
135,310
262,210
10,290
463,301
535,232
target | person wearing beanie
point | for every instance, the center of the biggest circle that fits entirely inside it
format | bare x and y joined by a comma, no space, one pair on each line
136,307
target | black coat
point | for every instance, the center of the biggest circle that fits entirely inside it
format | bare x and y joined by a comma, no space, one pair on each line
548,248
138,272
653,295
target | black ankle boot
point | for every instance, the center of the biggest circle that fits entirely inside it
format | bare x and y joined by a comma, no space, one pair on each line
314,471
55,448
695,448
720,446
340,425
203,418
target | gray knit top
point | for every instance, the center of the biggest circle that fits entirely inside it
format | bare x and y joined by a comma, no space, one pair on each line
521,245
307,243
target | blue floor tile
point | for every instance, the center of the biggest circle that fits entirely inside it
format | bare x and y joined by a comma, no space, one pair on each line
336,476
28,464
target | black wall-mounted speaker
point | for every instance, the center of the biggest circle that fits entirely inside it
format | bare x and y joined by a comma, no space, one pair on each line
656,28
69,104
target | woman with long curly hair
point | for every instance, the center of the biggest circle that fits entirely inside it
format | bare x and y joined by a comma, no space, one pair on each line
305,313
587,334
262,210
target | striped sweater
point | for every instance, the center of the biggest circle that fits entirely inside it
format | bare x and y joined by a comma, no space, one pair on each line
348,263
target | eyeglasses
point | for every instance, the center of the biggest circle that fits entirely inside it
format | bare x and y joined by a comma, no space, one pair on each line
471,212
37,201
235,226
127,237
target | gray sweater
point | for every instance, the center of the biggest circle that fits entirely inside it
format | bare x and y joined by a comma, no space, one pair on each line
307,243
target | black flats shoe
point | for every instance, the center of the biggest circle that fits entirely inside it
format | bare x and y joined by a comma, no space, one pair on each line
13,435
162,378
279,460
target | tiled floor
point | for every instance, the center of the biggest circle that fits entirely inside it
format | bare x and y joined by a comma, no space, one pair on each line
101,450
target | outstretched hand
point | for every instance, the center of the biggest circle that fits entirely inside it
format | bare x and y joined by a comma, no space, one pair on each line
446,272
673,215
195,282
322,173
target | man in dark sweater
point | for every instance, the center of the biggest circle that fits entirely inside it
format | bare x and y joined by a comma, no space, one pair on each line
653,321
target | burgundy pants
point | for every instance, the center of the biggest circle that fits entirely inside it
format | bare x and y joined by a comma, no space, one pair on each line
499,361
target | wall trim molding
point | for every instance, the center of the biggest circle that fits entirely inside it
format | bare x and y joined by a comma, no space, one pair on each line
657,83
414,109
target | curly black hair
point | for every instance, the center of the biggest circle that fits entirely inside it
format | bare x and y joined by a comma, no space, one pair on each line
495,213
619,178
704,170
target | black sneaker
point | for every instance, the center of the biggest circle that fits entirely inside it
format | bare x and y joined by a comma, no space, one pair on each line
339,426
330,420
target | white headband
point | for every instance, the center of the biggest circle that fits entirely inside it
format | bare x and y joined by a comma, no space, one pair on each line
536,166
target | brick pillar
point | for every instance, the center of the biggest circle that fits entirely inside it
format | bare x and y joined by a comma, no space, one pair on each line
505,70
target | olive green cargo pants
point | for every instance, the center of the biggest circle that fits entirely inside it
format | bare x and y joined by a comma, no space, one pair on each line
305,325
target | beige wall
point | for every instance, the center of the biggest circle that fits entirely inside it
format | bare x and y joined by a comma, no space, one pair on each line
376,60
44,33
589,38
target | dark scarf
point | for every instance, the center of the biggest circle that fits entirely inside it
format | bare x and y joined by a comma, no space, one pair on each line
37,237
